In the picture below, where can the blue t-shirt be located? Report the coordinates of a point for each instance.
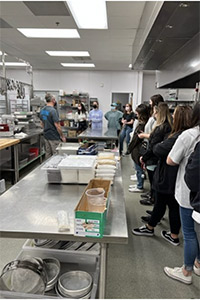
(49, 116)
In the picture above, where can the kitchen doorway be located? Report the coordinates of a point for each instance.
(121, 99)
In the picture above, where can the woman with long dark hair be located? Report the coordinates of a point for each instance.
(82, 116)
(127, 127)
(142, 113)
(178, 156)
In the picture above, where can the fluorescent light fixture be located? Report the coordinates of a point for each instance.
(14, 64)
(130, 66)
(89, 14)
(78, 65)
(68, 53)
(49, 33)
(195, 63)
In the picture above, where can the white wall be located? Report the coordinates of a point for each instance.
(98, 84)
(149, 88)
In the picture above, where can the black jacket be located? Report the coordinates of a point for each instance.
(192, 177)
(164, 179)
(157, 136)
(135, 144)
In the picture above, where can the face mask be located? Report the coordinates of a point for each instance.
(127, 108)
(94, 106)
(79, 107)
(112, 107)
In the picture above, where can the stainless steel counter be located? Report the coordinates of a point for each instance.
(99, 134)
(29, 210)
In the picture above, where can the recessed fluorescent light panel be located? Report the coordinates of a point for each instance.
(68, 53)
(73, 65)
(89, 14)
(14, 64)
(49, 33)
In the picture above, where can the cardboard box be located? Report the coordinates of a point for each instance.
(71, 133)
(87, 223)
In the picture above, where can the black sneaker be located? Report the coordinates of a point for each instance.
(167, 236)
(149, 212)
(147, 202)
(145, 195)
(143, 230)
(146, 219)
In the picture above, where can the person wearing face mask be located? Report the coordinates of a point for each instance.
(96, 116)
(81, 116)
(50, 123)
(127, 127)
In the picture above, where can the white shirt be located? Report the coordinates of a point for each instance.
(180, 153)
(196, 216)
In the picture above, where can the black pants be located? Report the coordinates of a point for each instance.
(150, 176)
(161, 201)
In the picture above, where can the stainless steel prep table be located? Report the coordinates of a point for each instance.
(32, 136)
(29, 210)
(103, 134)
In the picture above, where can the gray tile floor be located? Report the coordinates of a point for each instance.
(135, 270)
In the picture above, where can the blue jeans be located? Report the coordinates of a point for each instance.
(139, 173)
(191, 246)
(125, 133)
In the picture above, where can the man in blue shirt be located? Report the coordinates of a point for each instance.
(51, 125)
(96, 116)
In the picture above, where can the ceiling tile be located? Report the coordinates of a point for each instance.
(47, 8)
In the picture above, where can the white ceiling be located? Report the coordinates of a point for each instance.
(110, 49)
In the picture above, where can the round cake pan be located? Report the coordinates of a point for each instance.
(75, 283)
(52, 268)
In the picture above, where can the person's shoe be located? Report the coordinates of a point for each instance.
(149, 212)
(133, 177)
(132, 186)
(167, 236)
(135, 190)
(177, 274)
(147, 202)
(145, 219)
(146, 195)
(143, 230)
(196, 270)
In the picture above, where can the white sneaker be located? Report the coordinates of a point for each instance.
(196, 270)
(177, 274)
(133, 177)
(135, 190)
(132, 186)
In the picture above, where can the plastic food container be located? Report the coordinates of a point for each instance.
(95, 198)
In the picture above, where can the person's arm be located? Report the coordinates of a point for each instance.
(42, 124)
(98, 117)
(161, 150)
(58, 127)
(177, 152)
(143, 135)
(170, 162)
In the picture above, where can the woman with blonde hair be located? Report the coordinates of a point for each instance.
(161, 130)
(164, 181)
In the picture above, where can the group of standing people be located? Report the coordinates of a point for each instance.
(171, 157)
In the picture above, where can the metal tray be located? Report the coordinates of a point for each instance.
(69, 262)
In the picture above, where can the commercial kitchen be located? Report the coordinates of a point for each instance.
(54, 242)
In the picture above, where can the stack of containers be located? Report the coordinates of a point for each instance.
(106, 166)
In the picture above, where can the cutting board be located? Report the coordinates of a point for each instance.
(4, 143)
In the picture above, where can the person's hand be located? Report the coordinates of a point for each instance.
(141, 135)
(63, 138)
(141, 161)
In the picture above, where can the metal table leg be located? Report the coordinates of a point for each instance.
(103, 265)
(16, 163)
